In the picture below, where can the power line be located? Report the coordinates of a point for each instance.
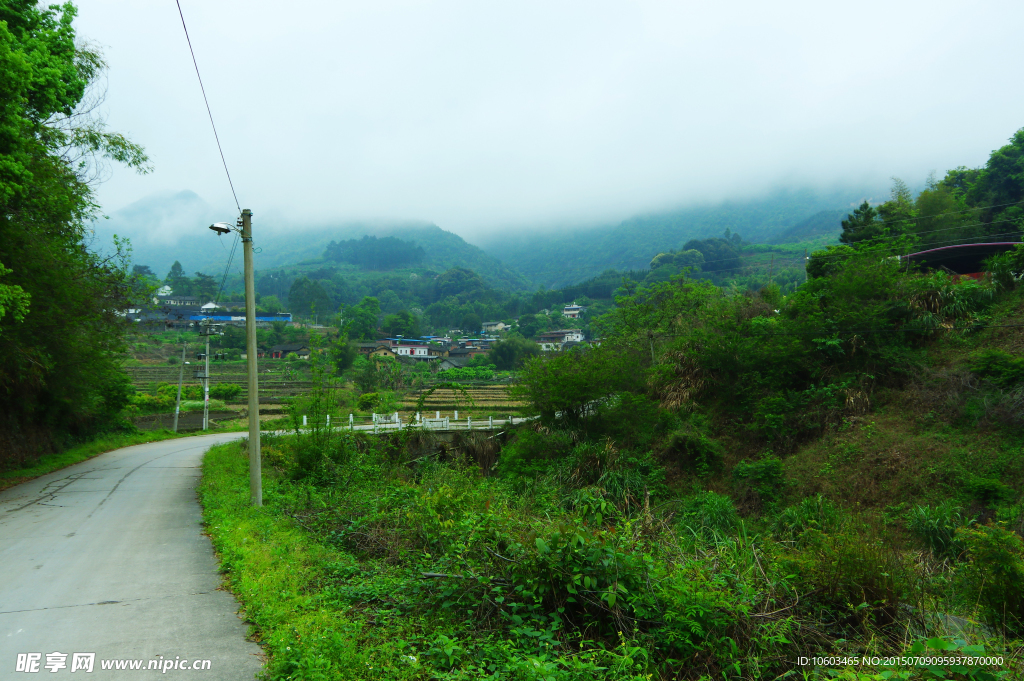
(224, 278)
(208, 111)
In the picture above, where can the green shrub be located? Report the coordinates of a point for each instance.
(225, 391)
(1001, 367)
(531, 453)
(937, 528)
(695, 451)
(989, 491)
(763, 480)
(858, 574)
(994, 575)
(197, 405)
(812, 513)
(367, 401)
(709, 514)
(626, 476)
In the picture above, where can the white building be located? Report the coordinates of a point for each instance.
(573, 311)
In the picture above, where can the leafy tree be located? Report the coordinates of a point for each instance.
(372, 253)
(360, 321)
(458, 281)
(510, 353)
(691, 258)
(719, 254)
(179, 282)
(308, 297)
(143, 271)
(472, 324)
(204, 287)
(271, 304)
(862, 224)
(61, 338)
(568, 387)
(343, 353)
(14, 301)
(402, 323)
(531, 325)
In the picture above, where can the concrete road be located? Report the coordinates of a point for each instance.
(108, 557)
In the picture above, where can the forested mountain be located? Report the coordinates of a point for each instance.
(165, 228)
(824, 223)
(561, 258)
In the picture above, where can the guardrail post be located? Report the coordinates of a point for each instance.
(328, 420)
(469, 423)
(456, 414)
(304, 420)
(351, 422)
(437, 414)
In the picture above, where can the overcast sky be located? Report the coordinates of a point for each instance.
(479, 115)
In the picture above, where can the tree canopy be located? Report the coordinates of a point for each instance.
(61, 336)
(371, 253)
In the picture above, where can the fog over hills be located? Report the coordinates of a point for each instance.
(163, 228)
(559, 257)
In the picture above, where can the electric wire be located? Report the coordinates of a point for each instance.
(227, 268)
(208, 110)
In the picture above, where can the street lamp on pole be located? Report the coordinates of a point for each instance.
(244, 229)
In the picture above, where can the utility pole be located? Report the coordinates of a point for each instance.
(255, 464)
(181, 372)
(206, 383)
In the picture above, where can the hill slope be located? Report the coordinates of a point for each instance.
(164, 228)
(567, 257)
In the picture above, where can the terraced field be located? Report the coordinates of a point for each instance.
(274, 383)
(277, 384)
(485, 398)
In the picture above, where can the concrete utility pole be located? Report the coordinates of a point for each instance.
(181, 372)
(206, 383)
(255, 464)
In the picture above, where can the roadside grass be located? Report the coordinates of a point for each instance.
(87, 450)
(278, 572)
(399, 557)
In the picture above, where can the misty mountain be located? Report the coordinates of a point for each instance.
(824, 223)
(561, 258)
(164, 228)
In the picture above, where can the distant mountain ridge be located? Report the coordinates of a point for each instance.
(562, 258)
(168, 227)
(164, 228)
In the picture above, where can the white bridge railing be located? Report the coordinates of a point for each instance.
(383, 422)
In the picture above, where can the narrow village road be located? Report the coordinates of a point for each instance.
(108, 557)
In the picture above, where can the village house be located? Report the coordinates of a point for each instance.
(185, 301)
(452, 363)
(495, 327)
(415, 348)
(553, 341)
(375, 349)
(285, 349)
(573, 311)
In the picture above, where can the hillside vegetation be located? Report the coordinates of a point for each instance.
(562, 257)
(728, 483)
(61, 339)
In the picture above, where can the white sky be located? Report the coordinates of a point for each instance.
(480, 115)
